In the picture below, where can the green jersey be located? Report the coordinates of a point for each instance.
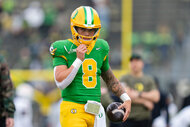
(86, 84)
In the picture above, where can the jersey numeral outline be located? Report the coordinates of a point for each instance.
(89, 69)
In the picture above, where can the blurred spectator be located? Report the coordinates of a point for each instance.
(143, 92)
(45, 58)
(36, 64)
(102, 7)
(17, 22)
(172, 107)
(186, 102)
(165, 41)
(1, 9)
(7, 107)
(182, 118)
(23, 103)
(24, 59)
(34, 14)
(53, 116)
(45, 94)
(183, 90)
(115, 56)
(6, 22)
(160, 110)
(8, 5)
(50, 16)
(180, 36)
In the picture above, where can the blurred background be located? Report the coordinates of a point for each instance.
(159, 30)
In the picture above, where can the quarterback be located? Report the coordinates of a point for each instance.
(78, 64)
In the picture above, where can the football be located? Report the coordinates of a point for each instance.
(114, 114)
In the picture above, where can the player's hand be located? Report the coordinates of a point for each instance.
(127, 106)
(81, 50)
(9, 122)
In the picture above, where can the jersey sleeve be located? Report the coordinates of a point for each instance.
(58, 53)
(59, 61)
(105, 65)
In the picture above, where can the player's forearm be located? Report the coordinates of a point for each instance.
(61, 72)
(64, 76)
(152, 95)
(113, 83)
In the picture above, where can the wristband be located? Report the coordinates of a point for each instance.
(77, 63)
(124, 97)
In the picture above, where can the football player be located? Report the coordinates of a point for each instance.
(78, 64)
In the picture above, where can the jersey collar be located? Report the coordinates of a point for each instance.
(90, 47)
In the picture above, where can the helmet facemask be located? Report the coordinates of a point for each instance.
(82, 39)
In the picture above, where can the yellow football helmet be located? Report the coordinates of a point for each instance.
(85, 17)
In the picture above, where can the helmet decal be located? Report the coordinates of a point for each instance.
(89, 17)
(75, 14)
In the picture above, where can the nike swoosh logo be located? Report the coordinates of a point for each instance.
(71, 50)
(98, 48)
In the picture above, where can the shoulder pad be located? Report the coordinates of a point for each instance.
(104, 44)
(57, 48)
